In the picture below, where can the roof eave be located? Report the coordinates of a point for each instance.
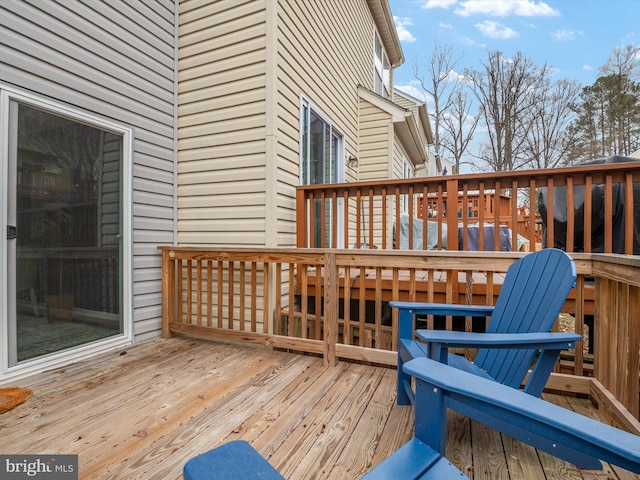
(383, 19)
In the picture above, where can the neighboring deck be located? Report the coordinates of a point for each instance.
(143, 412)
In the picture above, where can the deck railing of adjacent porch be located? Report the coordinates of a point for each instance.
(368, 214)
(315, 301)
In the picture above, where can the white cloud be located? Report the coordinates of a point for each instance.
(401, 27)
(565, 35)
(445, 26)
(492, 29)
(438, 3)
(504, 8)
(471, 42)
(587, 67)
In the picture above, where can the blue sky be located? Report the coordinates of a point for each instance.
(575, 37)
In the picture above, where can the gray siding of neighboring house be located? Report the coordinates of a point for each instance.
(114, 59)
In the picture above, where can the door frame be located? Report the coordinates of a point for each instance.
(10, 93)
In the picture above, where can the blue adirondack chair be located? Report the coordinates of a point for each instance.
(517, 338)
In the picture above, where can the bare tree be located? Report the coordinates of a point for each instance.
(623, 61)
(459, 124)
(450, 112)
(506, 91)
(547, 139)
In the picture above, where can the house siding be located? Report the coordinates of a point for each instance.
(222, 123)
(413, 108)
(324, 66)
(376, 146)
(116, 60)
(244, 67)
(376, 142)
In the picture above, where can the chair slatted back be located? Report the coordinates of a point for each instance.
(534, 290)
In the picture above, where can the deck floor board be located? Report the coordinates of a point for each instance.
(141, 413)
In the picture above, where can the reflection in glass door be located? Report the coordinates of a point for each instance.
(63, 233)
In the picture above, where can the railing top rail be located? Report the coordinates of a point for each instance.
(403, 259)
(597, 173)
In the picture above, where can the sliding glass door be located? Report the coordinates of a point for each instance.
(64, 226)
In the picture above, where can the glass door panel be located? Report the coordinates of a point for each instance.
(63, 233)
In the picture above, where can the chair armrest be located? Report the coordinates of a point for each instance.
(542, 340)
(546, 426)
(444, 309)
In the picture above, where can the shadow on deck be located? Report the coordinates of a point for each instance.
(144, 411)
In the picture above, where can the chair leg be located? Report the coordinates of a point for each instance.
(404, 381)
(405, 332)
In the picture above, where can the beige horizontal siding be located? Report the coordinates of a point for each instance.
(222, 123)
(376, 140)
(243, 68)
(317, 60)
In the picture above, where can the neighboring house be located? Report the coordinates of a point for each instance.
(126, 125)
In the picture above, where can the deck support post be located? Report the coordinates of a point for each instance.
(330, 309)
(168, 292)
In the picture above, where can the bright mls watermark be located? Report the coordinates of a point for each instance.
(49, 467)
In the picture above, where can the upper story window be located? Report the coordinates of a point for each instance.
(382, 77)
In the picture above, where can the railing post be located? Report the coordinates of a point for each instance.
(168, 292)
(330, 309)
(301, 219)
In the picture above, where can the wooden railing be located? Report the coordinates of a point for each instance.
(542, 208)
(334, 303)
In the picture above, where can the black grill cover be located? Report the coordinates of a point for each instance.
(597, 213)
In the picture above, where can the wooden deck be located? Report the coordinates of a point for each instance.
(141, 413)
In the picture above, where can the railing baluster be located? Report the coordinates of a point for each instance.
(254, 295)
(588, 206)
(497, 216)
(242, 299)
(311, 241)
(345, 201)
(362, 305)
(209, 293)
(370, 219)
(230, 293)
(359, 217)
(514, 216)
(384, 217)
(569, 247)
(550, 216)
(482, 208)
(425, 217)
(334, 219)
(629, 222)
(464, 216)
(266, 308)
(199, 291)
(533, 207)
(220, 280)
(189, 287)
(608, 214)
